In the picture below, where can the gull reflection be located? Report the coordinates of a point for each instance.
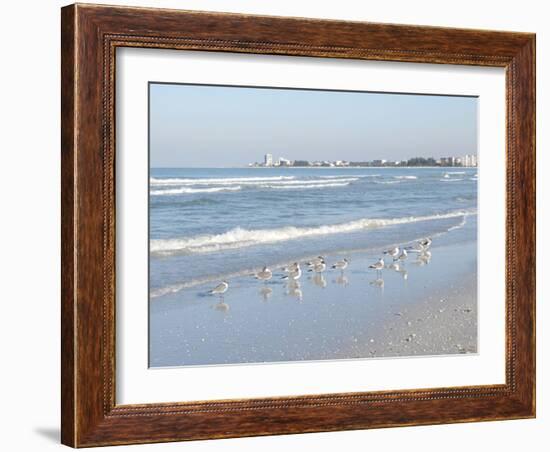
(266, 293)
(222, 306)
(398, 268)
(320, 281)
(342, 280)
(424, 258)
(294, 290)
(378, 282)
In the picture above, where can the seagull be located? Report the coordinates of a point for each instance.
(393, 252)
(378, 266)
(342, 265)
(415, 249)
(220, 289)
(290, 268)
(425, 243)
(318, 268)
(402, 256)
(264, 275)
(315, 261)
(294, 272)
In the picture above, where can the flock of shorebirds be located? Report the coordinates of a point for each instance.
(318, 265)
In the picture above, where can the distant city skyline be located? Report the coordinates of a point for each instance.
(220, 126)
(469, 160)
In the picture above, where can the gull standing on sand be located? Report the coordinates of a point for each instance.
(264, 275)
(341, 265)
(393, 252)
(315, 261)
(425, 243)
(220, 289)
(415, 249)
(318, 268)
(402, 256)
(290, 267)
(294, 272)
(378, 266)
(422, 246)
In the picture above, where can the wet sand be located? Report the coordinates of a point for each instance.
(420, 308)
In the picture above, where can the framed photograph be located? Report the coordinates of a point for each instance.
(282, 225)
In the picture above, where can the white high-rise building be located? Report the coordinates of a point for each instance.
(268, 160)
(469, 160)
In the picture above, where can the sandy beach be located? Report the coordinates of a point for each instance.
(416, 308)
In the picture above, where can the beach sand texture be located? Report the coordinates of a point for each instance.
(418, 309)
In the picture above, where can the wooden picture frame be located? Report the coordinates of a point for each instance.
(90, 35)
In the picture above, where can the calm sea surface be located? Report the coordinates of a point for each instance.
(210, 224)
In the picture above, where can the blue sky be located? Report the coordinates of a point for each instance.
(216, 126)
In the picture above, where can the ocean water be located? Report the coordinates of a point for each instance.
(209, 225)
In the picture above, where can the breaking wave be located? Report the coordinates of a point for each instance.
(216, 181)
(240, 238)
(186, 190)
(309, 185)
(192, 186)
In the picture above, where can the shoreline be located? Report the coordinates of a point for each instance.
(336, 315)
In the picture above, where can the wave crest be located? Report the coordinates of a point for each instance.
(186, 190)
(215, 181)
(304, 186)
(241, 238)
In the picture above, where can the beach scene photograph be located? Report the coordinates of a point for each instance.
(290, 225)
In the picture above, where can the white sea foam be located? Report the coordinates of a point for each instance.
(459, 225)
(187, 190)
(308, 182)
(215, 181)
(273, 181)
(345, 176)
(240, 238)
(405, 177)
(451, 180)
(305, 186)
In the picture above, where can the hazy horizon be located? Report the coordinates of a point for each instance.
(206, 126)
